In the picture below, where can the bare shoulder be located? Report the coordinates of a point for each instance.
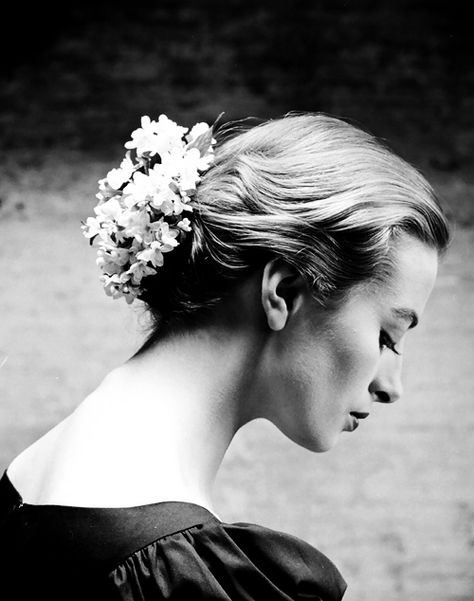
(107, 453)
(45, 467)
(28, 469)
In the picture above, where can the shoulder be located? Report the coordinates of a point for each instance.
(30, 467)
(221, 560)
(295, 566)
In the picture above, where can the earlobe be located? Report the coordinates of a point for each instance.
(282, 291)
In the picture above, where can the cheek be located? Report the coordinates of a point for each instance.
(356, 355)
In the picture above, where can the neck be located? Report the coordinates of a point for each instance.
(181, 403)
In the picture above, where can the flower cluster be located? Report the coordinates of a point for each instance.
(145, 204)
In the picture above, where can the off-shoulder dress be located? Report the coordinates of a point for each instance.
(168, 550)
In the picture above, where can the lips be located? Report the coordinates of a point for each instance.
(352, 424)
(359, 415)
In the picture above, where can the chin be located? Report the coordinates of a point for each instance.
(315, 443)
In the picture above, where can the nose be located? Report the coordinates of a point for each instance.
(386, 387)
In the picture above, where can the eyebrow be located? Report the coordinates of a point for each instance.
(407, 315)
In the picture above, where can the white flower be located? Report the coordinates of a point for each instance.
(189, 175)
(119, 286)
(156, 137)
(206, 160)
(164, 201)
(108, 266)
(152, 254)
(139, 270)
(200, 138)
(91, 227)
(135, 223)
(130, 294)
(105, 191)
(112, 261)
(144, 138)
(184, 225)
(170, 132)
(137, 219)
(120, 256)
(140, 189)
(197, 130)
(168, 237)
(117, 177)
(108, 210)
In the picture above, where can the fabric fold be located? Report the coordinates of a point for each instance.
(169, 550)
(222, 562)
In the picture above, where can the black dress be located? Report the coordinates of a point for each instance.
(167, 550)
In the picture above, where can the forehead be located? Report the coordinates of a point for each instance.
(401, 295)
(415, 267)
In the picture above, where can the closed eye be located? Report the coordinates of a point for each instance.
(385, 341)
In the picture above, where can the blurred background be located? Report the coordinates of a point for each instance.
(393, 504)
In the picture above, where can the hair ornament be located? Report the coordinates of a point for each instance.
(145, 205)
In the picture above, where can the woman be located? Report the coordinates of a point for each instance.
(282, 272)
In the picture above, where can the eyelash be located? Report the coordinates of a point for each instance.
(386, 341)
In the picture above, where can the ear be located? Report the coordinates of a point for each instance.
(283, 290)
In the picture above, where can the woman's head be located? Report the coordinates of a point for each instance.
(312, 190)
(324, 363)
(323, 245)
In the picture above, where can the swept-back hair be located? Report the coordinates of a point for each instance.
(314, 190)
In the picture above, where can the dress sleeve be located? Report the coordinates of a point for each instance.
(227, 562)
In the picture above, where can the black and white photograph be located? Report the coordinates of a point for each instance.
(237, 309)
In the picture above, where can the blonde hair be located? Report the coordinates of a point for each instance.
(322, 194)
